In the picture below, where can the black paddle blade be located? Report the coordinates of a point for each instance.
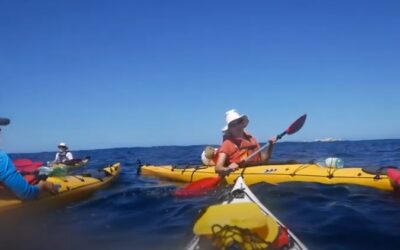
(297, 125)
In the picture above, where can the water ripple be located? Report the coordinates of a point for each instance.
(137, 212)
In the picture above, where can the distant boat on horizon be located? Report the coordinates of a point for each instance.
(329, 139)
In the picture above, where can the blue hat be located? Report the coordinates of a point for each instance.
(4, 121)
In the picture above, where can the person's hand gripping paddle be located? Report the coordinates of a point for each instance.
(200, 187)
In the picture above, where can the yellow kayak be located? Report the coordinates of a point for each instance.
(279, 173)
(72, 188)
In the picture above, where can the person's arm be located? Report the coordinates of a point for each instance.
(48, 186)
(220, 166)
(69, 156)
(18, 185)
(57, 157)
(16, 182)
(266, 154)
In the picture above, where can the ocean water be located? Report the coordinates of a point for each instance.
(138, 212)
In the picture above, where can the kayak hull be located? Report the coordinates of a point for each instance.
(72, 188)
(276, 174)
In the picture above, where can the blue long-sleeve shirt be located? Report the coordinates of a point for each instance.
(14, 180)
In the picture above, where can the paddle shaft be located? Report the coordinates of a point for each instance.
(293, 128)
(248, 158)
(262, 148)
(281, 135)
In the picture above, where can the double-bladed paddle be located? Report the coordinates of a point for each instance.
(200, 187)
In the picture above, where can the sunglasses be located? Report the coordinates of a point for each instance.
(236, 122)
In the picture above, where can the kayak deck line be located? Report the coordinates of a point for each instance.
(276, 174)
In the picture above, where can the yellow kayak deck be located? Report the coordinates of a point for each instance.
(72, 188)
(277, 173)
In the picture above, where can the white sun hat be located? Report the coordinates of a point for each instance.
(232, 115)
(62, 144)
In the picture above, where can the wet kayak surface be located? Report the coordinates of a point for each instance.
(138, 212)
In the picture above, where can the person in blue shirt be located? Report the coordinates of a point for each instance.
(13, 180)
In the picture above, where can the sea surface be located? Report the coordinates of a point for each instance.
(138, 212)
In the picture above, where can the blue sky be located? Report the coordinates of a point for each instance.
(102, 74)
